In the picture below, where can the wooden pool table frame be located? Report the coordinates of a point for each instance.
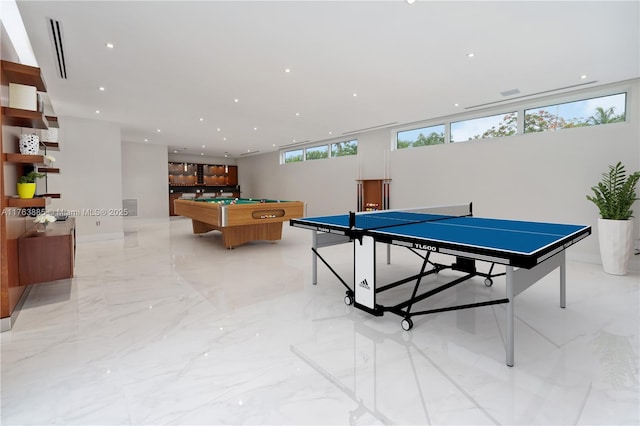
(240, 223)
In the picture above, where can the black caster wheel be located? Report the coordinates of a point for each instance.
(348, 300)
(406, 324)
(488, 282)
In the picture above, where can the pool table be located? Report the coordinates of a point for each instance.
(240, 220)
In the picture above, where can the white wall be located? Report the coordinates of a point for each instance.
(199, 159)
(542, 177)
(144, 177)
(327, 186)
(90, 179)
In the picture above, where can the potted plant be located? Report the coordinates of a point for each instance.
(27, 184)
(614, 195)
(44, 219)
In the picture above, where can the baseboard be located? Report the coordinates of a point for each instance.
(634, 262)
(6, 323)
(100, 237)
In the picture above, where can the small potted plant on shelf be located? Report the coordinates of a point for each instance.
(49, 160)
(27, 184)
(44, 219)
(614, 195)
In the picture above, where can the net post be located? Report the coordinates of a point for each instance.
(352, 220)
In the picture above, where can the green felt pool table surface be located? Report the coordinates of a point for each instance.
(227, 201)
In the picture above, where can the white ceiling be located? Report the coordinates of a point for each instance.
(177, 62)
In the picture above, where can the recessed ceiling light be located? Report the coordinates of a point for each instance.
(225, 156)
(97, 111)
(202, 153)
(146, 140)
(330, 133)
(273, 144)
(224, 139)
(255, 128)
(218, 129)
(235, 100)
(158, 130)
(297, 114)
(455, 105)
(248, 150)
(471, 55)
(101, 88)
(175, 151)
(411, 1)
(201, 119)
(203, 146)
(355, 94)
(110, 45)
(287, 70)
(583, 76)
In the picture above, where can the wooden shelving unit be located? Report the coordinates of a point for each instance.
(16, 266)
(23, 74)
(14, 157)
(52, 121)
(48, 170)
(23, 118)
(50, 146)
(28, 202)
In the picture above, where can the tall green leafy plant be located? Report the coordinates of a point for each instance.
(615, 193)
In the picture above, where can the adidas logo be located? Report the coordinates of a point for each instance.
(364, 284)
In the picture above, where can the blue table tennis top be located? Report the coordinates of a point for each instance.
(522, 239)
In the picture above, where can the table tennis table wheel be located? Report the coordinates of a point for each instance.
(488, 282)
(406, 324)
(348, 300)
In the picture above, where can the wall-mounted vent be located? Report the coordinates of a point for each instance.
(289, 145)
(510, 92)
(55, 30)
(533, 94)
(381, 126)
(130, 205)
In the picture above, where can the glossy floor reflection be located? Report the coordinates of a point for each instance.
(165, 327)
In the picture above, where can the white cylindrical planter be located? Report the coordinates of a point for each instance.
(616, 241)
(29, 144)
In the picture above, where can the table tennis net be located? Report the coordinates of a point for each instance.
(389, 218)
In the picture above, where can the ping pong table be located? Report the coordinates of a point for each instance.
(528, 250)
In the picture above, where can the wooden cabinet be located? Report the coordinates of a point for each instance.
(198, 179)
(185, 174)
(47, 256)
(373, 194)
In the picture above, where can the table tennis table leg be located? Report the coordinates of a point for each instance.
(314, 258)
(388, 254)
(563, 284)
(510, 316)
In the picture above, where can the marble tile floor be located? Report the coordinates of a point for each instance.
(165, 327)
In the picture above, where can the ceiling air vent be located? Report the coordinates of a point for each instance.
(56, 38)
(249, 153)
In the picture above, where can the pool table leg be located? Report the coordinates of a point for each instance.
(233, 236)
